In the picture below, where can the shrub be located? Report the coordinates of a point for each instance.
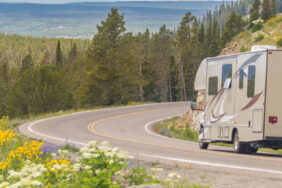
(243, 49)
(258, 36)
(257, 25)
(190, 134)
(273, 21)
(279, 41)
(97, 165)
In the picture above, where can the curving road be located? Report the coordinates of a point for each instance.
(130, 129)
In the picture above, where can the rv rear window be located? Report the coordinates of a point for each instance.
(251, 81)
(213, 83)
(241, 79)
(226, 73)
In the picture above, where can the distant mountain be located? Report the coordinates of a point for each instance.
(79, 20)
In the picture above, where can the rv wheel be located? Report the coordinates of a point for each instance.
(202, 144)
(239, 147)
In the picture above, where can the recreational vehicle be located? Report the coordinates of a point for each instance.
(243, 94)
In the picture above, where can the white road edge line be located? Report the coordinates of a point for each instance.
(75, 113)
(146, 155)
(212, 164)
(51, 137)
(159, 135)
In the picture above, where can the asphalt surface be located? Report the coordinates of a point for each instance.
(130, 129)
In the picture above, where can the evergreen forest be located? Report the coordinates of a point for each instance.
(40, 75)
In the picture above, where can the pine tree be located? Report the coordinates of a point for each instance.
(26, 63)
(4, 86)
(233, 26)
(274, 8)
(255, 12)
(267, 10)
(202, 33)
(173, 80)
(73, 54)
(208, 38)
(111, 67)
(184, 31)
(183, 37)
(39, 90)
(162, 50)
(192, 57)
(202, 41)
(59, 56)
(46, 60)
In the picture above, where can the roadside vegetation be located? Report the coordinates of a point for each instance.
(170, 129)
(30, 163)
(263, 32)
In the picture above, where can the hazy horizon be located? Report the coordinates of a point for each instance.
(74, 1)
(80, 20)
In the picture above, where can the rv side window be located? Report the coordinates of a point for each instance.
(241, 79)
(213, 83)
(251, 81)
(226, 73)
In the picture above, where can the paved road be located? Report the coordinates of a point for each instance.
(130, 129)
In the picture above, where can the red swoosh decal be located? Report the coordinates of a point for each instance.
(215, 117)
(220, 94)
(218, 117)
(252, 102)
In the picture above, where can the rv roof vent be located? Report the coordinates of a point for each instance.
(263, 47)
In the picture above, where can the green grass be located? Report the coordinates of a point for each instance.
(168, 128)
(271, 29)
(69, 148)
(268, 150)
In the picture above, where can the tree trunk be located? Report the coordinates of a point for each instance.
(181, 75)
(141, 91)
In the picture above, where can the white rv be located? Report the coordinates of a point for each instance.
(243, 100)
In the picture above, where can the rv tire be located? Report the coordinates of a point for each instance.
(238, 146)
(202, 144)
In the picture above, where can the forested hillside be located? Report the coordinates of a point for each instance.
(266, 33)
(14, 48)
(39, 75)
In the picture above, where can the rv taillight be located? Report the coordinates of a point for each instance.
(273, 119)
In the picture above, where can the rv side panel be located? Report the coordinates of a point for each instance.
(273, 105)
(249, 97)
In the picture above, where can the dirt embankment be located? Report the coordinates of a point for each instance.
(192, 117)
